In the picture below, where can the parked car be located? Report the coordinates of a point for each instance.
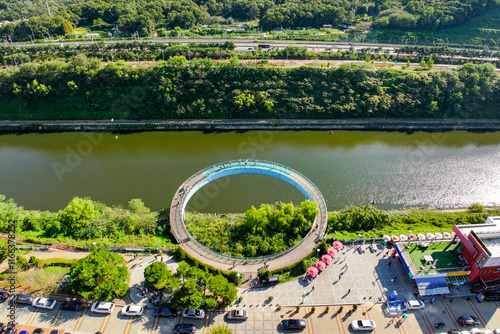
(455, 331)
(23, 299)
(492, 296)
(476, 331)
(2, 327)
(291, 324)
(165, 312)
(54, 331)
(496, 330)
(42, 302)
(103, 307)
(237, 315)
(3, 296)
(363, 325)
(24, 332)
(10, 330)
(468, 320)
(193, 313)
(38, 331)
(184, 328)
(72, 305)
(132, 310)
(415, 304)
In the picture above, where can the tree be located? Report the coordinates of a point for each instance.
(102, 275)
(157, 274)
(136, 205)
(67, 27)
(177, 61)
(76, 215)
(220, 329)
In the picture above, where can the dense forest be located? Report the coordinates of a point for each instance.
(144, 17)
(84, 89)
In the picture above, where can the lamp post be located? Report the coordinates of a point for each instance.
(238, 274)
(317, 252)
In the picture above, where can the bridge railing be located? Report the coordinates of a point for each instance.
(270, 166)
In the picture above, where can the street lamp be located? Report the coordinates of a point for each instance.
(238, 274)
(317, 252)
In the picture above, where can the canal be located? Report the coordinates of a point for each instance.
(392, 169)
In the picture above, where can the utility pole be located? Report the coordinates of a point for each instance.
(48, 8)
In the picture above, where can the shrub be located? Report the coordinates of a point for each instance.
(270, 298)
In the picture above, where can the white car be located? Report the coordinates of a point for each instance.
(103, 307)
(415, 304)
(132, 310)
(476, 331)
(496, 330)
(363, 325)
(42, 302)
(194, 313)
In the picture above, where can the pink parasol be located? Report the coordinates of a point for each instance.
(338, 245)
(413, 237)
(326, 258)
(332, 251)
(320, 265)
(312, 271)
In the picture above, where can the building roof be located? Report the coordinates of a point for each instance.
(489, 233)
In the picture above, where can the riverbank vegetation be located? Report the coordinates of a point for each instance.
(83, 89)
(83, 214)
(267, 230)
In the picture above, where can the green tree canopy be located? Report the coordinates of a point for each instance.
(77, 214)
(102, 275)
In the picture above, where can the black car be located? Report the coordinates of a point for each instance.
(72, 305)
(38, 331)
(492, 296)
(23, 299)
(2, 327)
(165, 312)
(10, 331)
(54, 331)
(3, 296)
(290, 324)
(454, 331)
(185, 328)
(468, 320)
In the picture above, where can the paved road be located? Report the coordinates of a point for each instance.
(260, 322)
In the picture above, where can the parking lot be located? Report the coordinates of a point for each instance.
(262, 321)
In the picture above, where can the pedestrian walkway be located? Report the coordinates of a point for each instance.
(247, 266)
(137, 279)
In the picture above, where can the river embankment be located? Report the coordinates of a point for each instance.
(41, 126)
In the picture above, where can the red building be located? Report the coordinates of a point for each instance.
(481, 250)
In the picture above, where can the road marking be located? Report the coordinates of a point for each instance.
(79, 323)
(127, 329)
(55, 319)
(339, 323)
(451, 314)
(155, 325)
(105, 322)
(427, 322)
(478, 314)
(206, 324)
(309, 325)
(32, 317)
(366, 315)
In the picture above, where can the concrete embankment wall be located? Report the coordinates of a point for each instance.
(248, 125)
